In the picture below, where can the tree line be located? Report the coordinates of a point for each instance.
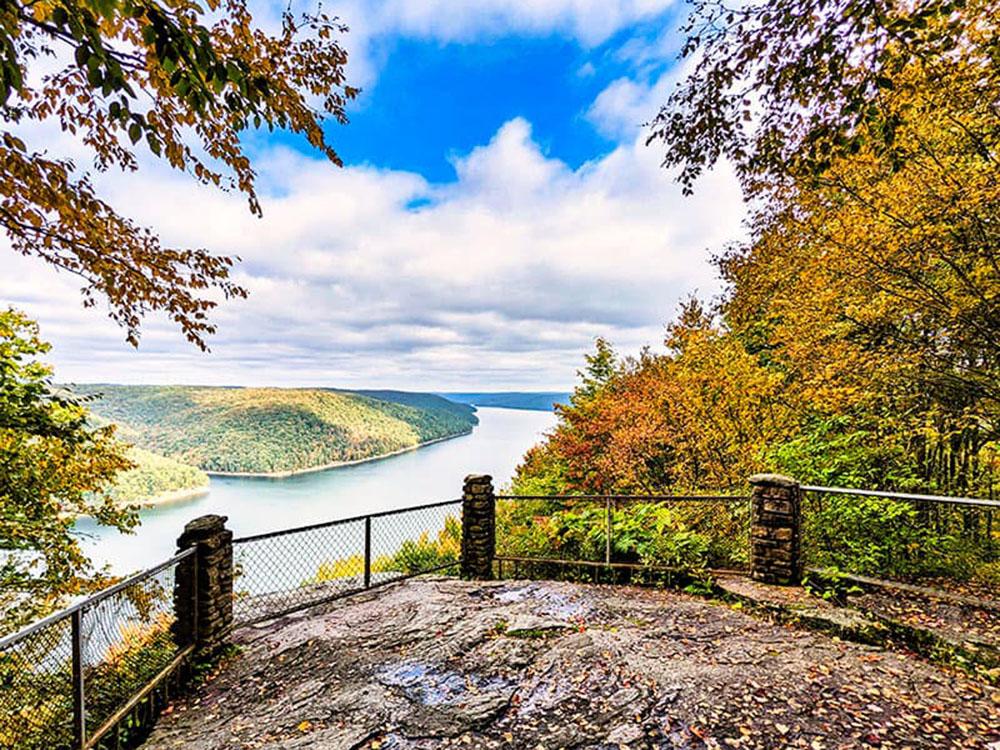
(857, 342)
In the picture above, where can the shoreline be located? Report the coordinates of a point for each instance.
(173, 496)
(334, 465)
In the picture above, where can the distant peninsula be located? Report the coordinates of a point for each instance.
(530, 400)
(273, 431)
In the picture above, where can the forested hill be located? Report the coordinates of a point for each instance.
(274, 430)
(428, 401)
(531, 400)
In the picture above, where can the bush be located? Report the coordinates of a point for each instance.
(893, 538)
(413, 556)
(687, 536)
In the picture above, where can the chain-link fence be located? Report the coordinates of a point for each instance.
(289, 570)
(80, 678)
(620, 537)
(902, 536)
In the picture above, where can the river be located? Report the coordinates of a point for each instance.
(256, 505)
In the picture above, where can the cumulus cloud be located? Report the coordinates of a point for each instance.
(590, 22)
(373, 277)
(364, 276)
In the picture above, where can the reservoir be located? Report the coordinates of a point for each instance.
(257, 505)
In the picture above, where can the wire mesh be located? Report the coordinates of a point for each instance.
(125, 641)
(683, 533)
(900, 537)
(290, 570)
(36, 698)
(416, 541)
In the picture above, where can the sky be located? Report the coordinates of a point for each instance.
(497, 211)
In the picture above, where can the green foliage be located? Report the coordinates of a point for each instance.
(845, 451)
(831, 585)
(685, 536)
(37, 684)
(425, 553)
(428, 402)
(542, 472)
(600, 367)
(883, 537)
(265, 430)
(858, 341)
(53, 466)
(412, 556)
(153, 476)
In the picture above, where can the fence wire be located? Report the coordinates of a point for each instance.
(63, 678)
(289, 570)
(36, 689)
(127, 641)
(616, 537)
(894, 535)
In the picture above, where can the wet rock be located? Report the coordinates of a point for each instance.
(528, 625)
(423, 665)
(623, 734)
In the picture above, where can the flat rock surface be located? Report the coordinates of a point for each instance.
(788, 597)
(961, 621)
(435, 663)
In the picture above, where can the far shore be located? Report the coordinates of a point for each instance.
(335, 464)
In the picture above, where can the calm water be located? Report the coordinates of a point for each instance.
(256, 505)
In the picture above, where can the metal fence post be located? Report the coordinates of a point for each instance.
(368, 551)
(79, 696)
(607, 530)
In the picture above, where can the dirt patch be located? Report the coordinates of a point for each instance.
(429, 664)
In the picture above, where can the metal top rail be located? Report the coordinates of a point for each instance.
(13, 638)
(904, 496)
(352, 519)
(679, 498)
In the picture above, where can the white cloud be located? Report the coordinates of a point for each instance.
(501, 279)
(621, 109)
(625, 104)
(590, 22)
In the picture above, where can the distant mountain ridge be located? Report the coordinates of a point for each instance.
(530, 400)
(275, 431)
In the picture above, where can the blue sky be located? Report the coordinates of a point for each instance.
(434, 101)
(497, 211)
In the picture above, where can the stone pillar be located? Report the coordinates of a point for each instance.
(203, 586)
(478, 527)
(776, 529)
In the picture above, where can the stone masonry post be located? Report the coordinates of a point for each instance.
(776, 529)
(203, 586)
(478, 527)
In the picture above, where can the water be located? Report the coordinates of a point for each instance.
(256, 505)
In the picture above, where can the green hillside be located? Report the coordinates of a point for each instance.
(428, 401)
(154, 477)
(271, 430)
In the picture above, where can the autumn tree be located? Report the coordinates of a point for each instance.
(857, 341)
(170, 79)
(53, 466)
(780, 88)
(698, 416)
(866, 135)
